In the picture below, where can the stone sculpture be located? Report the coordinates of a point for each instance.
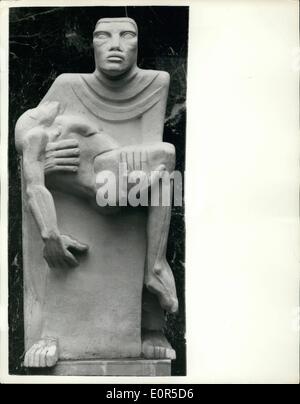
(97, 281)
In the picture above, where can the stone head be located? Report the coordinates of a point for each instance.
(115, 45)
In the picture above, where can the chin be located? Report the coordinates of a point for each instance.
(114, 71)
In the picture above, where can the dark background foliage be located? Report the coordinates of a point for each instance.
(45, 42)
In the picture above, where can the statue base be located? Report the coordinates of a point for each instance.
(108, 367)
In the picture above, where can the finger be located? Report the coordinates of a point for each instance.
(70, 169)
(73, 152)
(53, 264)
(70, 259)
(123, 158)
(53, 256)
(154, 178)
(71, 161)
(130, 161)
(54, 261)
(60, 263)
(49, 261)
(50, 146)
(49, 255)
(144, 159)
(137, 160)
(81, 247)
(73, 243)
(123, 161)
(141, 160)
(63, 144)
(57, 262)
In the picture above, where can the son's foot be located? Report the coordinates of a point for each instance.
(156, 346)
(160, 281)
(42, 354)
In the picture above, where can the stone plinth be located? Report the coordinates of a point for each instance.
(113, 367)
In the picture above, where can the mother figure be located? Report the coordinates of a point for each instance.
(105, 295)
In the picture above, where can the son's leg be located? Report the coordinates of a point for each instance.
(155, 160)
(159, 278)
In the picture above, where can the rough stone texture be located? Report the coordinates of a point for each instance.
(51, 38)
(136, 367)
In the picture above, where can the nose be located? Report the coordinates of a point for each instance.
(115, 43)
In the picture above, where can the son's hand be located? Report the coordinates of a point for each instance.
(59, 250)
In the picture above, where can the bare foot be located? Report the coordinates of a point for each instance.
(156, 346)
(43, 353)
(160, 281)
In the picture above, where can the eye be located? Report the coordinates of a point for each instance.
(128, 35)
(91, 133)
(101, 35)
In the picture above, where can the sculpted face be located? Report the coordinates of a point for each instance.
(115, 45)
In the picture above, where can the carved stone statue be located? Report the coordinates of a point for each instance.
(97, 281)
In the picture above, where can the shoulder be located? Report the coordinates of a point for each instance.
(158, 77)
(163, 77)
(60, 89)
(66, 79)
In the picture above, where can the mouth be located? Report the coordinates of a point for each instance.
(115, 58)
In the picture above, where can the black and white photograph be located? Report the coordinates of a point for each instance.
(95, 137)
(149, 193)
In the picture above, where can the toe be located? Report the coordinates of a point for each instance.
(31, 355)
(42, 358)
(148, 351)
(51, 356)
(26, 359)
(36, 357)
(162, 353)
(157, 352)
(170, 354)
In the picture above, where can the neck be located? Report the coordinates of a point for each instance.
(115, 80)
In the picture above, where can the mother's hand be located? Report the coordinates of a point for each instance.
(62, 155)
